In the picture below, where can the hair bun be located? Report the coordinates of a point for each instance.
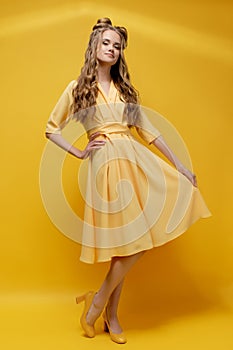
(123, 32)
(106, 23)
(102, 22)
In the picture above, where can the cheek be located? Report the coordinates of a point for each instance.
(99, 49)
(103, 49)
(117, 54)
(99, 52)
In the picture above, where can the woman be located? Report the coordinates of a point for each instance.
(120, 222)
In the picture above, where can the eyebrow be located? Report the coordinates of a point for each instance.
(116, 42)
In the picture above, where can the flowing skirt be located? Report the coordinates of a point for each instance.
(134, 201)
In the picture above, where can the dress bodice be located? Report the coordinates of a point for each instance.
(106, 116)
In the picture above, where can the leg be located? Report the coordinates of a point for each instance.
(112, 306)
(114, 299)
(118, 269)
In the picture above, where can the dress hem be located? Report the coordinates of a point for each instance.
(204, 216)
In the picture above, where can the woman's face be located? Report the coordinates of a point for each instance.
(109, 47)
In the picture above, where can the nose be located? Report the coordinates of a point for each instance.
(111, 48)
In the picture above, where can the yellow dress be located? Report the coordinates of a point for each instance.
(134, 200)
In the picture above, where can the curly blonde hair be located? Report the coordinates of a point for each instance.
(85, 91)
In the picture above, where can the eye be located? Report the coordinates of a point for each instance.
(105, 42)
(117, 46)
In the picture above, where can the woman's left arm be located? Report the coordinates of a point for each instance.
(160, 143)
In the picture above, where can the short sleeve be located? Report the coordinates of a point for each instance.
(144, 127)
(60, 114)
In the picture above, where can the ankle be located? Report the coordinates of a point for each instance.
(111, 313)
(97, 302)
(93, 314)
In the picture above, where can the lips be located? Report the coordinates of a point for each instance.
(110, 55)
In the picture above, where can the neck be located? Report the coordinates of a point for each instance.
(104, 73)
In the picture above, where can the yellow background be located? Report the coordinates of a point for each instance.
(180, 58)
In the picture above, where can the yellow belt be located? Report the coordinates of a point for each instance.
(110, 129)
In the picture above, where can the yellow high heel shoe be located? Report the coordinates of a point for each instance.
(87, 298)
(118, 338)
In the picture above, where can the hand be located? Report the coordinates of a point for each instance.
(92, 144)
(192, 177)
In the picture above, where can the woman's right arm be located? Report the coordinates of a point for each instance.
(82, 154)
(59, 117)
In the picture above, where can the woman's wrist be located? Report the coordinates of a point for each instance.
(76, 152)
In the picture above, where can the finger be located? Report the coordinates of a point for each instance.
(95, 134)
(91, 147)
(195, 182)
(195, 179)
(95, 146)
(101, 142)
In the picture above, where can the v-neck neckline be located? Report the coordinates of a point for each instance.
(107, 95)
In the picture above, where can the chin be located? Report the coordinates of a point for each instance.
(111, 62)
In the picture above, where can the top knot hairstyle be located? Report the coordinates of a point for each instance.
(106, 24)
(86, 90)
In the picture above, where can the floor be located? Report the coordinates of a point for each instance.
(51, 321)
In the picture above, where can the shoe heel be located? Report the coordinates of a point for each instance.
(106, 327)
(87, 298)
(80, 298)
